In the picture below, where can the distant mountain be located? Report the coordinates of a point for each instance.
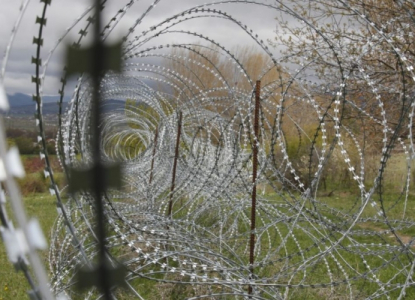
(19, 99)
(53, 108)
(22, 104)
(47, 109)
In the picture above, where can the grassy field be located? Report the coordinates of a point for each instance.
(42, 206)
(13, 284)
(39, 204)
(347, 201)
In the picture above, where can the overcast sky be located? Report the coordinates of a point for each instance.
(62, 14)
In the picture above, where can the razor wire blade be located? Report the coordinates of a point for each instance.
(336, 104)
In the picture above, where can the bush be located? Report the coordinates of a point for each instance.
(60, 180)
(33, 183)
(50, 147)
(25, 145)
(33, 164)
(14, 132)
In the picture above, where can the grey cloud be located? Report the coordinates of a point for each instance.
(62, 13)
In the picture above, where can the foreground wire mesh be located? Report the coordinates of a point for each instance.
(334, 149)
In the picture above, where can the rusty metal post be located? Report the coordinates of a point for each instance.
(176, 155)
(254, 177)
(154, 155)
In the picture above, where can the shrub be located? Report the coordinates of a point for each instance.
(33, 164)
(14, 132)
(50, 147)
(33, 183)
(60, 180)
(25, 145)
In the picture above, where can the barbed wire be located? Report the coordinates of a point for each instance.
(226, 153)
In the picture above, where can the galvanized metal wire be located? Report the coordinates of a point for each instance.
(183, 223)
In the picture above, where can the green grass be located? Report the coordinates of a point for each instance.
(13, 285)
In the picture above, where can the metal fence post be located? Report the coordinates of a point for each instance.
(254, 185)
